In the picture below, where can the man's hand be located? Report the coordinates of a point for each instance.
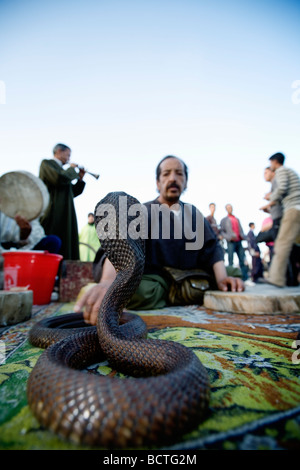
(265, 208)
(267, 196)
(25, 227)
(233, 284)
(226, 283)
(81, 172)
(91, 301)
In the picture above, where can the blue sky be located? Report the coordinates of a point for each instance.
(124, 83)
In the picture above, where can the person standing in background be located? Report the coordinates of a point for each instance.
(88, 240)
(275, 211)
(287, 192)
(212, 221)
(232, 231)
(257, 271)
(60, 216)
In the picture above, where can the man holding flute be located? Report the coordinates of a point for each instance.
(60, 216)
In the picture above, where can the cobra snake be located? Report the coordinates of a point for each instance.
(167, 392)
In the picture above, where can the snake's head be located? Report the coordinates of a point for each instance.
(120, 221)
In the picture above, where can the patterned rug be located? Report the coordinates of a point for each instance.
(252, 361)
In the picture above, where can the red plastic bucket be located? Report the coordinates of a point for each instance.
(35, 269)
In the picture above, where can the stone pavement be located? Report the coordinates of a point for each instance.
(259, 299)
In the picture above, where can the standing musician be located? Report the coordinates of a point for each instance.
(60, 216)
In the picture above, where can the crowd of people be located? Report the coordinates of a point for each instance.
(280, 230)
(57, 229)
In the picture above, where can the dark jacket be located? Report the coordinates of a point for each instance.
(60, 216)
(227, 232)
(173, 252)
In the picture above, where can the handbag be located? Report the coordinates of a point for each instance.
(187, 287)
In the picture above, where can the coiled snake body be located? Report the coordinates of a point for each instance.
(167, 392)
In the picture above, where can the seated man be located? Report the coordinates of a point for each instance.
(21, 234)
(171, 180)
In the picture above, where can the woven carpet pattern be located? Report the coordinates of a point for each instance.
(252, 361)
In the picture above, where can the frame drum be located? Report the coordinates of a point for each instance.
(22, 193)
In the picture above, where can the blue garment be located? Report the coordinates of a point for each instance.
(51, 243)
(257, 266)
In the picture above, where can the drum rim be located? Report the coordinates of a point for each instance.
(30, 213)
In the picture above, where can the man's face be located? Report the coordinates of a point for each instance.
(274, 165)
(229, 208)
(212, 208)
(268, 174)
(63, 155)
(172, 181)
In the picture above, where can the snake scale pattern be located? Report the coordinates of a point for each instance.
(167, 392)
